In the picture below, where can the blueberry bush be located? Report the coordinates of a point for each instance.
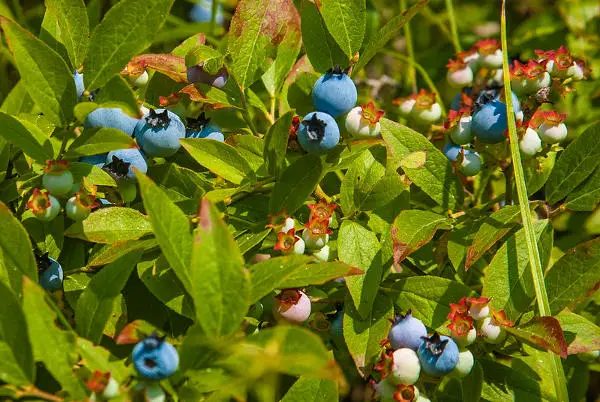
(299, 200)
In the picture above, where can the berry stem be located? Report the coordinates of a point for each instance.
(33, 392)
(535, 263)
(453, 29)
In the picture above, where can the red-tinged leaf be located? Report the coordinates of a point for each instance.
(167, 64)
(257, 29)
(413, 229)
(493, 228)
(214, 97)
(581, 334)
(544, 332)
(134, 332)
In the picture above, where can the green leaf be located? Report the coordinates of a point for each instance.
(360, 180)
(574, 276)
(586, 196)
(308, 389)
(287, 53)
(220, 158)
(359, 247)
(436, 177)
(296, 183)
(126, 29)
(16, 257)
(385, 34)
(55, 348)
(492, 229)
(413, 229)
(502, 383)
(15, 132)
(46, 75)
(346, 21)
(294, 271)
(385, 191)
(220, 285)
(211, 58)
(276, 141)
(111, 225)
(117, 93)
(18, 100)
(98, 358)
(94, 174)
(171, 228)
(363, 334)
(322, 50)
(99, 141)
(111, 252)
(48, 236)
(574, 165)
(162, 281)
(508, 277)
(429, 298)
(472, 384)
(95, 305)
(537, 171)
(544, 332)
(17, 366)
(257, 29)
(74, 27)
(580, 334)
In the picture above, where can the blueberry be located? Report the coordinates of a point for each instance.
(438, 355)
(464, 365)
(77, 210)
(120, 163)
(111, 118)
(491, 331)
(197, 74)
(407, 332)
(159, 132)
(50, 273)
(530, 144)
(405, 367)
(57, 178)
(154, 358)
(44, 206)
(459, 99)
(451, 150)
(292, 306)
(334, 93)
(96, 160)
(363, 121)
(490, 120)
(471, 163)
(79, 86)
(201, 128)
(318, 133)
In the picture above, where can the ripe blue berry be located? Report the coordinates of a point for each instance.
(318, 133)
(461, 132)
(471, 163)
(405, 367)
(159, 132)
(407, 332)
(438, 355)
(50, 273)
(451, 151)
(120, 163)
(334, 93)
(198, 74)
(154, 358)
(57, 177)
(490, 120)
(201, 128)
(79, 86)
(111, 118)
(292, 306)
(44, 206)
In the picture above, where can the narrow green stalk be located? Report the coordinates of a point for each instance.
(421, 71)
(411, 77)
(247, 116)
(535, 263)
(213, 16)
(453, 29)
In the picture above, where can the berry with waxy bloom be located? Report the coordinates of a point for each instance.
(80, 206)
(491, 328)
(103, 386)
(470, 163)
(57, 177)
(407, 332)
(321, 210)
(426, 110)
(578, 71)
(558, 61)
(291, 305)
(322, 254)
(159, 132)
(288, 242)
(478, 307)
(438, 355)
(471, 57)
(44, 206)
(530, 143)
(154, 358)
(334, 92)
(120, 163)
(462, 101)
(459, 74)
(451, 151)
(462, 330)
(50, 273)
(550, 126)
(198, 74)
(458, 126)
(460, 308)
(363, 121)
(202, 128)
(318, 133)
(490, 53)
(489, 122)
(316, 233)
(387, 391)
(405, 105)
(404, 367)
(464, 365)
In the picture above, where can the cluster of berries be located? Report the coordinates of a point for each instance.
(470, 311)
(421, 109)
(58, 182)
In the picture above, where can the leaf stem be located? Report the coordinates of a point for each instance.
(33, 392)
(247, 116)
(532, 247)
(411, 77)
(213, 16)
(453, 29)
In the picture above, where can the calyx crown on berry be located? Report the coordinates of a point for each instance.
(158, 120)
(424, 99)
(43, 262)
(434, 344)
(337, 70)
(478, 301)
(57, 167)
(318, 227)
(404, 393)
(315, 128)
(370, 114)
(454, 117)
(458, 309)
(276, 221)
(39, 201)
(153, 340)
(117, 168)
(286, 240)
(456, 65)
(533, 69)
(562, 58)
(487, 46)
(461, 324)
(401, 317)
(199, 123)
(321, 210)
(289, 296)
(99, 381)
(550, 117)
